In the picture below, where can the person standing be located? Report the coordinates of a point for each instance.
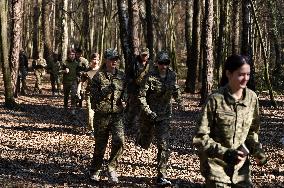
(54, 69)
(39, 66)
(140, 68)
(107, 99)
(23, 72)
(83, 67)
(228, 129)
(155, 98)
(86, 79)
(69, 70)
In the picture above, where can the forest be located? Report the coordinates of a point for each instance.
(42, 145)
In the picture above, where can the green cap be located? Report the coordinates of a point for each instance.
(111, 53)
(144, 51)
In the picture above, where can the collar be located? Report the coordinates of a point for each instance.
(232, 101)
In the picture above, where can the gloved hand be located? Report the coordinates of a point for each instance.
(112, 86)
(231, 157)
(153, 116)
(261, 158)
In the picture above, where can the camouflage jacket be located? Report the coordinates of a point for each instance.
(83, 64)
(105, 99)
(225, 124)
(39, 64)
(72, 74)
(136, 76)
(156, 94)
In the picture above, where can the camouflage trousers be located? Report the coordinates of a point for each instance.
(70, 87)
(90, 114)
(159, 130)
(107, 124)
(133, 111)
(39, 74)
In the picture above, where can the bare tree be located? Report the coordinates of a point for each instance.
(207, 81)
(9, 98)
(64, 30)
(149, 21)
(190, 84)
(16, 41)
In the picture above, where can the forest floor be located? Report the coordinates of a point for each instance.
(43, 146)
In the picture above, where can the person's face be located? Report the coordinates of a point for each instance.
(163, 66)
(111, 63)
(144, 57)
(71, 56)
(239, 78)
(78, 55)
(95, 61)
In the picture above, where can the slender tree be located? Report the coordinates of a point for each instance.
(207, 81)
(16, 41)
(149, 21)
(190, 84)
(9, 98)
(64, 30)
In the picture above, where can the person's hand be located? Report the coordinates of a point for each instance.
(112, 86)
(66, 70)
(153, 116)
(261, 158)
(234, 157)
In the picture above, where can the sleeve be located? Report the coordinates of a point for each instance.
(142, 96)
(202, 140)
(252, 141)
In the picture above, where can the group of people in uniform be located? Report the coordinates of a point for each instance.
(227, 133)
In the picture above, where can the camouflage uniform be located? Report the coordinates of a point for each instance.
(70, 82)
(155, 96)
(39, 66)
(23, 72)
(107, 103)
(135, 80)
(226, 124)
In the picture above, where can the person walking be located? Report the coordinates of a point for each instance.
(139, 69)
(228, 129)
(39, 65)
(156, 109)
(55, 78)
(108, 102)
(85, 82)
(23, 72)
(70, 84)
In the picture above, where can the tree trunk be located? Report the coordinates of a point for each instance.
(150, 36)
(221, 38)
(35, 29)
(16, 42)
(190, 84)
(85, 37)
(187, 31)
(9, 98)
(235, 26)
(64, 31)
(103, 28)
(46, 8)
(133, 10)
(123, 27)
(246, 48)
(207, 81)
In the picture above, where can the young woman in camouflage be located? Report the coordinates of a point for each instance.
(228, 131)
(108, 103)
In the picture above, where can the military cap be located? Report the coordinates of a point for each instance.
(163, 58)
(144, 51)
(111, 53)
